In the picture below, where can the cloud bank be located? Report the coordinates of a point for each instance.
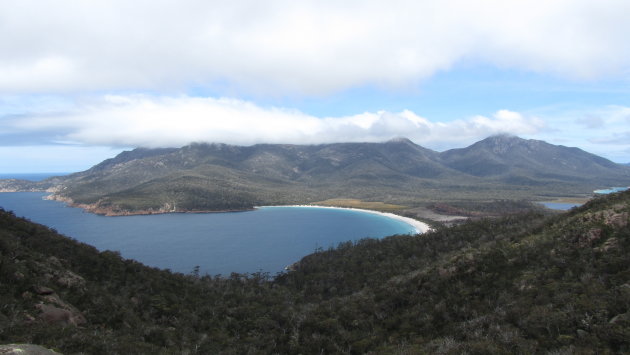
(150, 121)
(284, 47)
(165, 121)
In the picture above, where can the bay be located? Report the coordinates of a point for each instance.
(266, 239)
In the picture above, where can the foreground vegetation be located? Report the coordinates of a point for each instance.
(524, 283)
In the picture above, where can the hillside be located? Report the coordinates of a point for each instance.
(519, 161)
(527, 283)
(219, 177)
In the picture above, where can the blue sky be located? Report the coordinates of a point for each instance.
(81, 82)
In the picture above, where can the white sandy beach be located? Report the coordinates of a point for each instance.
(420, 227)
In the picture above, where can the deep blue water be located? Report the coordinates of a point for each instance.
(267, 239)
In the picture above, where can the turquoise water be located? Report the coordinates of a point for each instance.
(560, 206)
(611, 190)
(267, 239)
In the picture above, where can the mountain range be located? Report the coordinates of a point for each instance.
(220, 177)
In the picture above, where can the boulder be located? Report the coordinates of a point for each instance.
(59, 316)
(25, 349)
(43, 290)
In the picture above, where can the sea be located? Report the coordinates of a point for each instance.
(30, 176)
(267, 239)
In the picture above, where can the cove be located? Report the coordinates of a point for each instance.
(266, 239)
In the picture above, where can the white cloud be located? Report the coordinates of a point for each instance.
(175, 121)
(602, 131)
(299, 47)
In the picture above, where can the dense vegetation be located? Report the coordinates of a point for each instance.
(524, 283)
(202, 177)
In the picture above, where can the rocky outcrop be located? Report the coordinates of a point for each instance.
(25, 349)
(54, 310)
(59, 316)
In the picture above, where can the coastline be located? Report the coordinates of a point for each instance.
(420, 227)
(110, 212)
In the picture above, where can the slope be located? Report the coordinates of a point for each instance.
(216, 177)
(515, 160)
(521, 284)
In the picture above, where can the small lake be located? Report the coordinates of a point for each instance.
(560, 206)
(610, 190)
(267, 239)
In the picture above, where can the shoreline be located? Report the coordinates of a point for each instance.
(420, 227)
(109, 212)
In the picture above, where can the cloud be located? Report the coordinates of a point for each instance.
(287, 47)
(590, 121)
(148, 121)
(582, 128)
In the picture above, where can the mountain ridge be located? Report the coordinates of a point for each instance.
(219, 177)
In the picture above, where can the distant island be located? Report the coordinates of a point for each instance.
(395, 176)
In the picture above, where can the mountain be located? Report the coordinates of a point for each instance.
(219, 177)
(520, 161)
(527, 284)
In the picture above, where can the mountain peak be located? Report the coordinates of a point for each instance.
(502, 143)
(400, 140)
(503, 138)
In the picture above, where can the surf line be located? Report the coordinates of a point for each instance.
(420, 227)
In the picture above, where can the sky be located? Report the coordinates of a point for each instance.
(81, 81)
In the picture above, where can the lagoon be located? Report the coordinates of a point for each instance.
(266, 239)
(560, 205)
(610, 190)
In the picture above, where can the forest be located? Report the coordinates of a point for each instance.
(528, 282)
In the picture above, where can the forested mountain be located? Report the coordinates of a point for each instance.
(527, 283)
(211, 177)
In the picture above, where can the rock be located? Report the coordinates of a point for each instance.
(59, 316)
(43, 290)
(620, 318)
(25, 349)
(617, 219)
(54, 310)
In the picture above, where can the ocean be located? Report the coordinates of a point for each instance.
(31, 176)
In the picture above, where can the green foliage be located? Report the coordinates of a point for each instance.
(524, 283)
